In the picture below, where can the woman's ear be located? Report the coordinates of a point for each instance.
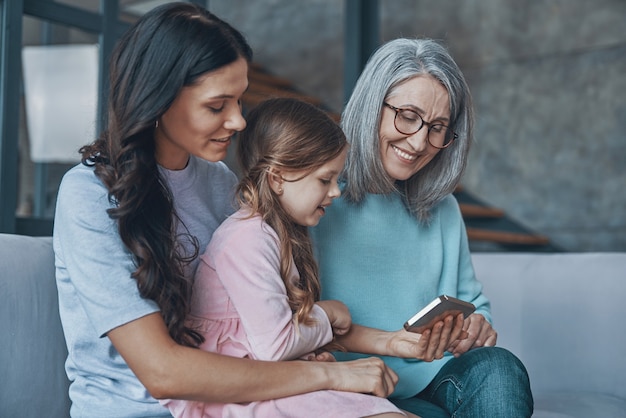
(275, 180)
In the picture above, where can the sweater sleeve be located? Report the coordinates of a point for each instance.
(247, 262)
(468, 287)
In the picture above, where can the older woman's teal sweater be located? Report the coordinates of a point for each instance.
(385, 266)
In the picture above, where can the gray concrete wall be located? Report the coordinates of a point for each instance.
(549, 83)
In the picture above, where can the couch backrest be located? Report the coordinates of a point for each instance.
(562, 315)
(32, 346)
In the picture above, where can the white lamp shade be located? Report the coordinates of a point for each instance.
(61, 94)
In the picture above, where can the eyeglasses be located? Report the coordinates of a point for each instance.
(408, 122)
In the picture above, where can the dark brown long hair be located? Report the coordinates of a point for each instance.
(168, 48)
(289, 135)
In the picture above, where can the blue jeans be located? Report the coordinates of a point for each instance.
(484, 382)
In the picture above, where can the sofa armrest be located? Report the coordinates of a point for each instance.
(32, 345)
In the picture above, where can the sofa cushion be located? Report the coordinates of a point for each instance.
(573, 405)
(32, 347)
(561, 314)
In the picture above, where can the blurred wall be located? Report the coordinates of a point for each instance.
(549, 84)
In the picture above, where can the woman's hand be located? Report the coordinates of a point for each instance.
(367, 375)
(338, 315)
(169, 370)
(479, 334)
(429, 345)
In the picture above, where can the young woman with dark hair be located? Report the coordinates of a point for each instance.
(132, 218)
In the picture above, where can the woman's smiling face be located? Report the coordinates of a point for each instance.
(404, 155)
(203, 117)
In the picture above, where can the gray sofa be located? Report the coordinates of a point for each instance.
(32, 346)
(560, 313)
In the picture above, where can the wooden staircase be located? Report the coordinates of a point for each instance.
(488, 228)
(264, 85)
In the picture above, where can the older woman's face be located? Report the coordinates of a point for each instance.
(404, 155)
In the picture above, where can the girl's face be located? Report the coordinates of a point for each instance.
(404, 155)
(203, 117)
(306, 199)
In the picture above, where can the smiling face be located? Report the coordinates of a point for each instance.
(203, 117)
(305, 198)
(404, 155)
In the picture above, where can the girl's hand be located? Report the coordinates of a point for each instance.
(480, 334)
(320, 355)
(338, 315)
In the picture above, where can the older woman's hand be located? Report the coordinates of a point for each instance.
(480, 334)
(429, 345)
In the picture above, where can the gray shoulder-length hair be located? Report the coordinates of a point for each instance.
(391, 65)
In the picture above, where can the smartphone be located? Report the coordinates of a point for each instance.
(437, 310)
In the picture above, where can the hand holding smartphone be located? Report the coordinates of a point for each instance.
(436, 310)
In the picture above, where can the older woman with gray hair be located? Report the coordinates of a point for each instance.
(395, 239)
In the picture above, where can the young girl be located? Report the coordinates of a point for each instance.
(256, 291)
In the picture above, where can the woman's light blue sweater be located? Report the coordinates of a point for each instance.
(385, 266)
